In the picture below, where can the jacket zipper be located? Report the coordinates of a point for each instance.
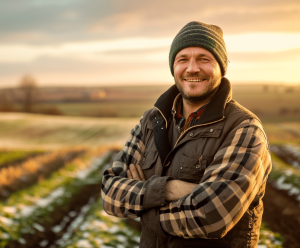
(162, 116)
(184, 132)
(200, 160)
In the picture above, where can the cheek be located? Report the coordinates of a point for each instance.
(216, 71)
(178, 70)
(208, 69)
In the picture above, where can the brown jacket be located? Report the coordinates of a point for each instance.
(226, 153)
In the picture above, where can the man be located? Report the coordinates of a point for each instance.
(195, 168)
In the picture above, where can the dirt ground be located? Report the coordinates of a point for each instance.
(75, 204)
(282, 215)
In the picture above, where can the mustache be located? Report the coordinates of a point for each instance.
(194, 75)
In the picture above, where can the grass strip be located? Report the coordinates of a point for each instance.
(269, 239)
(285, 177)
(8, 157)
(21, 212)
(98, 229)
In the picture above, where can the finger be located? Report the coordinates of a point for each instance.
(134, 172)
(129, 174)
(141, 173)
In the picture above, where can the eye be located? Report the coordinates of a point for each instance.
(204, 59)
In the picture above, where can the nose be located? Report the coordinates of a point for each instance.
(193, 67)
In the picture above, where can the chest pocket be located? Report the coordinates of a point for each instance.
(192, 168)
(148, 162)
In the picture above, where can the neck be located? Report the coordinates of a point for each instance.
(189, 107)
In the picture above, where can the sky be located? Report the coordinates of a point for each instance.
(117, 42)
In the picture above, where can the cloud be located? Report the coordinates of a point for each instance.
(282, 66)
(45, 21)
(146, 49)
(54, 71)
(96, 41)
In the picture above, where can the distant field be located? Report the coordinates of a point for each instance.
(272, 103)
(104, 109)
(32, 131)
(28, 131)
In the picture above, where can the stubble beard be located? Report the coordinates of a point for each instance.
(202, 97)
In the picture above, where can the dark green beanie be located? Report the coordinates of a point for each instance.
(199, 34)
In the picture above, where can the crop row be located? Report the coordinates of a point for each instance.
(98, 229)
(21, 175)
(269, 239)
(65, 211)
(28, 216)
(289, 153)
(8, 157)
(285, 177)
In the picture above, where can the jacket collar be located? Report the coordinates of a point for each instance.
(213, 111)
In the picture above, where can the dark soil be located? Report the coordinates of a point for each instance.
(287, 156)
(76, 203)
(32, 178)
(282, 215)
(20, 160)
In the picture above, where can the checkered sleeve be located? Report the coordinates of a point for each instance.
(229, 185)
(125, 197)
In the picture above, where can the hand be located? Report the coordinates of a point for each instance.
(136, 173)
(175, 189)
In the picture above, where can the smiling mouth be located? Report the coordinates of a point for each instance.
(194, 80)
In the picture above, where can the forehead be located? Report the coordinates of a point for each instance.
(194, 51)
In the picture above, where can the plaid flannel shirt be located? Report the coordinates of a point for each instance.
(226, 190)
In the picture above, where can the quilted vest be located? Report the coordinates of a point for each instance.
(185, 156)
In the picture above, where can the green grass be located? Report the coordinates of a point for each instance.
(269, 238)
(101, 230)
(14, 224)
(7, 156)
(285, 172)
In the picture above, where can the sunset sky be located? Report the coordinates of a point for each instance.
(105, 42)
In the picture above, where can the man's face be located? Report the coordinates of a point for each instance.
(197, 74)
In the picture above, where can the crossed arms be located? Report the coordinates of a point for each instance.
(175, 189)
(206, 210)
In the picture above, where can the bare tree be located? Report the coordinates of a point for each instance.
(28, 87)
(6, 100)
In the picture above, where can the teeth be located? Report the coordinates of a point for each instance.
(194, 80)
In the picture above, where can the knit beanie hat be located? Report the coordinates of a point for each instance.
(199, 34)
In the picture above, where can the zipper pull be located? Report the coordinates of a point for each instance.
(200, 159)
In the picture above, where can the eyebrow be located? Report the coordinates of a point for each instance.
(200, 55)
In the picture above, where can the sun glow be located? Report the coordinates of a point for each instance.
(253, 57)
(262, 42)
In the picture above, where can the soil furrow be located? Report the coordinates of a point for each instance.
(29, 178)
(55, 218)
(282, 215)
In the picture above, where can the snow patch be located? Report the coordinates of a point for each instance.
(44, 243)
(6, 221)
(9, 210)
(39, 227)
(262, 246)
(43, 202)
(84, 243)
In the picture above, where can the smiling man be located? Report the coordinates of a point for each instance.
(195, 167)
